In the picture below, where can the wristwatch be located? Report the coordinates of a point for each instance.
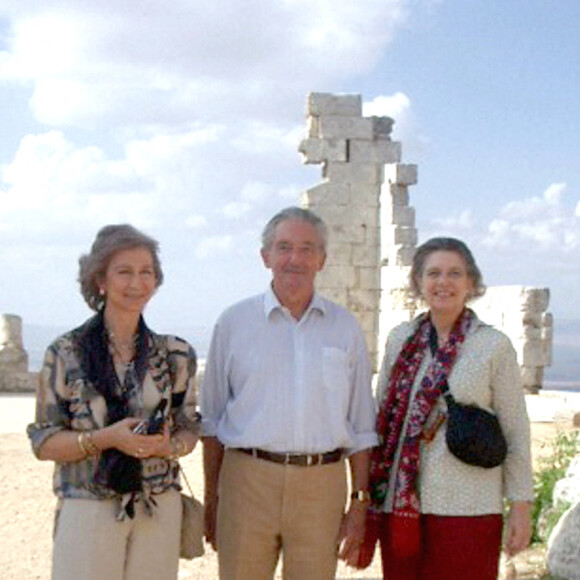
(361, 495)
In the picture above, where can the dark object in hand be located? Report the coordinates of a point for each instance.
(154, 424)
(121, 472)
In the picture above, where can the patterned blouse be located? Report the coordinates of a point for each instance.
(67, 400)
(485, 373)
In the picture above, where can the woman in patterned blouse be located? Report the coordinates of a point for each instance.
(438, 518)
(116, 474)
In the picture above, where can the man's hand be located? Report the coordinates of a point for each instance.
(352, 532)
(210, 519)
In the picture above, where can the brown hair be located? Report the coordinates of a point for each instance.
(445, 245)
(110, 240)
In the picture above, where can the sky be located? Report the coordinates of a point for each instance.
(183, 118)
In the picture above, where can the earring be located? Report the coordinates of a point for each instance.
(101, 291)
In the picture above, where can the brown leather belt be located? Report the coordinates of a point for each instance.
(303, 460)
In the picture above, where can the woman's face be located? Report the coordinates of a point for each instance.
(129, 281)
(445, 283)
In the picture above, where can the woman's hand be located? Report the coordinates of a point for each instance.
(519, 528)
(121, 435)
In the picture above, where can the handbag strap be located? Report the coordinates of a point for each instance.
(449, 399)
(182, 472)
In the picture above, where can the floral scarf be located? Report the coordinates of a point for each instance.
(395, 408)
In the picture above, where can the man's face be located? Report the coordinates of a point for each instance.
(295, 257)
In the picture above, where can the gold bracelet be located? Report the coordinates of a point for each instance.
(86, 444)
(81, 444)
(90, 444)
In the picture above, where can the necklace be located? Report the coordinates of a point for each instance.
(124, 349)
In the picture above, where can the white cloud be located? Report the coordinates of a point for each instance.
(196, 60)
(212, 245)
(462, 221)
(545, 221)
(170, 116)
(236, 209)
(195, 221)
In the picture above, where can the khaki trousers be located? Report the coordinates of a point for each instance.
(90, 544)
(266, 509)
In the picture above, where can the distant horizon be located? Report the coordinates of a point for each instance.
(564, 374)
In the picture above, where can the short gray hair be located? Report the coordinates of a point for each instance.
(445, 245)
(110, 240)
(294, 213)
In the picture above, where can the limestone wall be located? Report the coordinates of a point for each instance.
(522, 313)
(364, 198)
(353, 151)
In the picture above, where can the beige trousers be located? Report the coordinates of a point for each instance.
(266, 509)
(90, 544)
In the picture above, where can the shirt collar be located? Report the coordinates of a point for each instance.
(271, 303)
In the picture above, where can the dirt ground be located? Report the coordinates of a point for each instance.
(27, 503)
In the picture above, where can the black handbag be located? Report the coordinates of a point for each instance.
(474, 435)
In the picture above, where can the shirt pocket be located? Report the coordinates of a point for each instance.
(335, 372)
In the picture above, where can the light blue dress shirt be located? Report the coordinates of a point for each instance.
(285, 385)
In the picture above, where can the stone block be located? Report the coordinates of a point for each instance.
(18, 382)
(320, 104)
(401, 215)
(399, 255)
(337, 295)
(405, 174)
(533, 353)
(327, 194)
(373, 235)
(369, 278)
(337, 277)
(363, 300)
(378, 151)
(335, 127)
(321, 150)
(353, 172)
(367, 321)
(365, 255)
(363, 214)
(338, 215)
(313, 127)
(532, 377)
(382, 127)
(352, 233)
(535, 299)
(338, 253)
(393, 235)
(394, 194)
(365, 194)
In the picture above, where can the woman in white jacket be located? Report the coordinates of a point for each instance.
(440, 518)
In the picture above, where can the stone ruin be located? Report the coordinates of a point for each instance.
(14, 375)
(364, 199)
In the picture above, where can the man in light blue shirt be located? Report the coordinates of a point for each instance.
(286, 397)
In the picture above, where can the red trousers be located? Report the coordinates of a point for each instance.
(452, 548)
